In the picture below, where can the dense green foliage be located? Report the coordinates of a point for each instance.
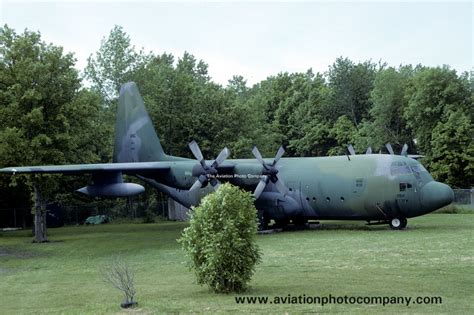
(221, 240)
(48, 117)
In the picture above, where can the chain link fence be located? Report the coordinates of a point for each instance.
(464, 197)
(15, 217)
(59, 215)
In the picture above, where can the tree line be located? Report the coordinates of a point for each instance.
(51, 113)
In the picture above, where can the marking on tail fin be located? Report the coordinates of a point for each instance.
(132, 143)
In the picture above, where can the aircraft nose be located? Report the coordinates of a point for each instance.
(435, 195)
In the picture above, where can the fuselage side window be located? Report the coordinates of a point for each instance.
(403, 186)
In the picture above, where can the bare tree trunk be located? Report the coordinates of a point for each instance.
(40, 218)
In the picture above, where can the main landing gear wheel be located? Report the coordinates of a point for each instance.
(398, 223)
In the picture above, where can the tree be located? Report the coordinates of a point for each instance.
(288, 118)
(220, 240)
(433, 94)
(452, 157)
(316, 140)
(112, 64)
(389, 102)
(238, 85)
(350, 86)
(342, 132)
(44, 115)
(284, 105)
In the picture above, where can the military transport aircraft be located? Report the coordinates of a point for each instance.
(377, 188)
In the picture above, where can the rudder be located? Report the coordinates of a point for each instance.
(135, 136)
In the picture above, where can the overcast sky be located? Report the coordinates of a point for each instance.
(256, 40)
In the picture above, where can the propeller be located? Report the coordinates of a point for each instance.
(351, 149)
(353, 152)
(402, 152)
(389, 148)
(269, 173)
(206, 173)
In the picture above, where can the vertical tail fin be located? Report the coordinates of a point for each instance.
(135, 136)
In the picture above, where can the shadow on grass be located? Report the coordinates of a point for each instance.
(8, 253)
(359, 226)
(328, 226)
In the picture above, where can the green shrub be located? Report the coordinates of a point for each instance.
(220, 240)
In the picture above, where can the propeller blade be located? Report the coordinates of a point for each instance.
(257, 155)
(207, 174)
(389, 148)
(279, 154)
(270, 171)
(369, 150)
(351, 149)
(404, 150)
(224, 154)
(197, 185)
(280, 186)
(260, 187)
(215, 183)
(196, 152)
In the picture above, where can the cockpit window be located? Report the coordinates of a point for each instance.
(400, 168)
(417, 168)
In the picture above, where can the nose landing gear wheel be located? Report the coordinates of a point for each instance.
(398, 223)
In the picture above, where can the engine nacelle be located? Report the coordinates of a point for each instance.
(112, 190)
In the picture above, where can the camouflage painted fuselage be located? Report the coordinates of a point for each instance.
(367, 187)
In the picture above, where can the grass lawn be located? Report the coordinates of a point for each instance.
(433, 257)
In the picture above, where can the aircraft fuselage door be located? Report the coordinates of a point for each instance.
(376, 196)
(407, 196)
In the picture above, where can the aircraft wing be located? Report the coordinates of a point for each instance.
(126, 168)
